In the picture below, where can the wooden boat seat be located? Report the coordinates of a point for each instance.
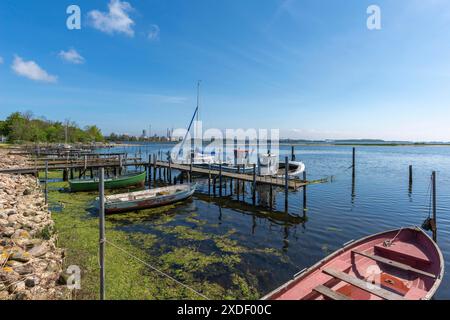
(403, 252)
(364, 285)
(395, 264)
(331, 294)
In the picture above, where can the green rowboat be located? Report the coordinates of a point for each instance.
(121, 182)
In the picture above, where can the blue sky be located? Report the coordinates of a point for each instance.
(310, 68)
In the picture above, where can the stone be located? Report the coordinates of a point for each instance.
(18, 254)
(39, 250)
(27, 192)
(31, 282)
(21, 234)
(7, 232)
(4, 223)
(24, 269)
(17, 287)
(3, 257)
(13, 218)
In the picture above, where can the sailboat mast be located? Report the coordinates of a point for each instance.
(198, 98)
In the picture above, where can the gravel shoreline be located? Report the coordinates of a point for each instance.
(30, 262)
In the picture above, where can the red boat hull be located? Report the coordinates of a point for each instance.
(394, 265)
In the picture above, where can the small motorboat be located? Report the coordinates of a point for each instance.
(148, 199)
(123, 181)
(269, 165)
(295, 169)
(404, 264)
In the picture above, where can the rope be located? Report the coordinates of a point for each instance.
(389, 243)
(157, 270)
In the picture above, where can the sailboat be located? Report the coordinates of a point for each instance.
(196, 156)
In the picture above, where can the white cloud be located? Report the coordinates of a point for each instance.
(31, 70)
(71, 56)
(116, 20)
(153, 34)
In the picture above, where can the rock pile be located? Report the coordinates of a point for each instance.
(30, 262)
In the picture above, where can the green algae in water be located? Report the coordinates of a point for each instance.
(127, 278)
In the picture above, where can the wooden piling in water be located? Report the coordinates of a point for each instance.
(254, 185)
(209, 179)
(286, 184)
(434, 224)
(354, 162)
(149, 170)
(220, 179)
(293, 153)
(304, 195)
(410, 175)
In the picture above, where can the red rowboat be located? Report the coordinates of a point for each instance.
(404, 264)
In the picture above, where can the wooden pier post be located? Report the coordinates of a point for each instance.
(434, 223)
(220, 179)
(120, 164)
(149, 168)
(154, 170)
(286, 184)
(271, 196)
(410, 175)
(293, 153)
(354, 162)
(231, 186)
(238, 191)
(170, 170)
(254, 185)
(46, 182)
(209, 179)
(102, 232)
(304, 195)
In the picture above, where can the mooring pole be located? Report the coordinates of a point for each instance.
(231, 186)
(271, 196)
(354, 162)
(286, 183)
(120, 164)
(238, 187)
(434, 224)
(220, 179)
(293, 153)
(254, 184)
(154, 170)
(209, 179)
(170, 171)
(46, 182)
(149, 170)
(102, 232)
(304, 194)
(410, 175)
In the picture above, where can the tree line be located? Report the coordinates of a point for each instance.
(24, 127)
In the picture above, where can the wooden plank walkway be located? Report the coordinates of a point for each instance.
(279, 182)
(264, 180)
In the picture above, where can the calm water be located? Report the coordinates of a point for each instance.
(336, 212)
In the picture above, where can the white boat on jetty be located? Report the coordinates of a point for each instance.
(269, 165)
(147, 199)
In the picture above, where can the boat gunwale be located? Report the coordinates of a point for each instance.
(305, 272)
(113, 179)
(116, 199)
